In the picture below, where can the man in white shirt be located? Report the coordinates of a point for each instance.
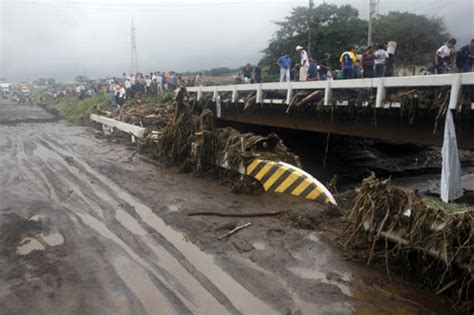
(381, 55)
(304, 63)
(444, 57)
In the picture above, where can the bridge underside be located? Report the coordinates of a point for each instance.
(419, 127)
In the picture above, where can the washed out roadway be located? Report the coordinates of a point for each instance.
(127, 247)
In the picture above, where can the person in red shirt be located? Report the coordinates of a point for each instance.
(367, 63)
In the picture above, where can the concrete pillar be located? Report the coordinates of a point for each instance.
(259, 94)
(327, 93)
(380, 100)
(289, 93)
(455, 92)
(235, 95)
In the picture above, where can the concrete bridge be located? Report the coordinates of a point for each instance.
(402, 109)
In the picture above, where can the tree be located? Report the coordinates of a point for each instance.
(332, 27)
(417, 36)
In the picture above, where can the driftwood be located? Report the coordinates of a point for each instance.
(310, 98)
(238, 215)
(234, 231)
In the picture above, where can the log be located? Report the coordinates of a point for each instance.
(234, 231)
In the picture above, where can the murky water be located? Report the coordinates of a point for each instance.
(53, 239)
(28, 245)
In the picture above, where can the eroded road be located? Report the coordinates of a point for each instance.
(83, 231)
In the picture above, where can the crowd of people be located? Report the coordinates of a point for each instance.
(353, 64)
(369, 63)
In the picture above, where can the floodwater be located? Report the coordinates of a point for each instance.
(28, 245)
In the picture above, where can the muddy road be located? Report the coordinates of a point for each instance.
(85, 231)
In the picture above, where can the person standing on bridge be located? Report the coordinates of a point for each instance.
(284, 62)
(347, 60)
(247, 71)
(444, 57)
(367, 63)
(465, 58)
(258, 73)
(381, 55)
(304, 63)
(324, 67)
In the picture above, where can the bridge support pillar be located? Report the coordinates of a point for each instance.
(199, 94)
(289, 94)
(381, 91)
(259, 94)
(455, 92)
(214, 95)
(327, 93)
(234, 95)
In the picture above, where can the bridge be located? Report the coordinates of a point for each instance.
(402, 109)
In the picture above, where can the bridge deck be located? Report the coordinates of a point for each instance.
(382, 122)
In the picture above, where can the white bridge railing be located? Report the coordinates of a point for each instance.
(454, 81)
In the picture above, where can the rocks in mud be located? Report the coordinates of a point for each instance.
(242, 246)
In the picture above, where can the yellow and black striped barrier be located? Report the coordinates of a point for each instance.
(282, 177)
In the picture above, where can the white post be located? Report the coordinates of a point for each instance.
(327, 93)
(289, 93)
(455, 92)
(234, 95)
(259, 94)
(214, 96)
(380, 100)
(199, 93)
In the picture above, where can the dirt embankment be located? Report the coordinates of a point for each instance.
(85, 231)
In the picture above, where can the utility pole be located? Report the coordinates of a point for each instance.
(310, 22)
(133, 57)
(373, 9)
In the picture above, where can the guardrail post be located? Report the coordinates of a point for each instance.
(199, 93)
(380, 100)
(214, 96)
(327, 92)
(289, 93)
(259, 94)
(455, 92)
(234, 95)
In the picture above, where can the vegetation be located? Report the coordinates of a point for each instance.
(215, 72)
(74, 110)
(333, 28)
(417, 36)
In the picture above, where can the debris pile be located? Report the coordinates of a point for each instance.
(193, 140)
(413, 236)
(154, 116)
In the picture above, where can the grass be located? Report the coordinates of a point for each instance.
(77, 111)
(436, 203)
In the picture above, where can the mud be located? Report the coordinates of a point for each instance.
(116, 240)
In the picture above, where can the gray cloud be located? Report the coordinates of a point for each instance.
(62, 38)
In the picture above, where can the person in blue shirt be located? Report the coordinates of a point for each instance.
(285, 65)
(347, 63)
(465, 58)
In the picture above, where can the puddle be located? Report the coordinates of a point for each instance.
(176, 205)
(312, 274)
(53, 239)
(37, 217)
(259, 245)
(140, 284)
(276, 232)
(28, 245)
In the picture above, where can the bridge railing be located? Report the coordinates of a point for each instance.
(455, 81)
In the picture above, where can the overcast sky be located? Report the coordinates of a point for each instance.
(62, 38)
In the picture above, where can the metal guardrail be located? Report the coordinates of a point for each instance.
(455, 81)
(133, 130)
